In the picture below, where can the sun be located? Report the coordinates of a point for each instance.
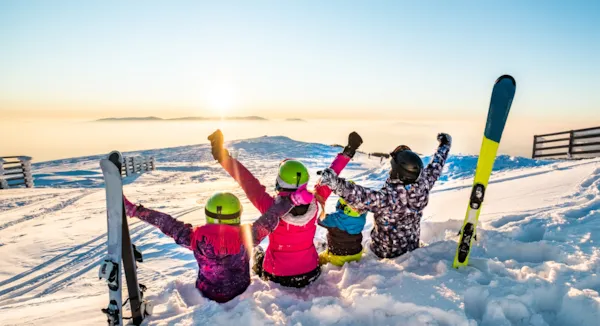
(221, 99)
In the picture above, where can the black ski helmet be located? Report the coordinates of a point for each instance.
(406, 165)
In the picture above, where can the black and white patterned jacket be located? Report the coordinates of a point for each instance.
(397, 208)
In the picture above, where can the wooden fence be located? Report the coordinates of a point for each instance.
(137, 164)
(15, 171)
(572, 144)
(380, 155)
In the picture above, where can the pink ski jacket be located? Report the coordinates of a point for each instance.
(291, 250)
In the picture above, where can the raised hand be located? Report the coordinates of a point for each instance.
(444, 139)
(216, 143)
(354, 142)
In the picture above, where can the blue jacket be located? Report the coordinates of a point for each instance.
(349, 224)
(344, 233)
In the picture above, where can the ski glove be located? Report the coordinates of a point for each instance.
(302, 196)
(327, 177)
(130, 208)
(216, 144)
(354, 142)
(444, 139)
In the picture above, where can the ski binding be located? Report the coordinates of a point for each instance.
(108, 271)
(112, 312)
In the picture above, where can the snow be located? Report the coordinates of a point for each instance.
(536, 261)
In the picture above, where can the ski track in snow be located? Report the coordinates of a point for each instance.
(536, 261)
(82, 257)
(55, 208)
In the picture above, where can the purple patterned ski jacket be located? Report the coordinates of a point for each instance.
(397, 208)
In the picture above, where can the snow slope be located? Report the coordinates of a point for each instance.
(537, 261)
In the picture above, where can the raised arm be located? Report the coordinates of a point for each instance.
(255, 191)
(338, 164)
(267, 222)
(361, 198)
(179, 231)
(270, 219)
(433, 170)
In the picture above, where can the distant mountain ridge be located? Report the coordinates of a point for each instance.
(152, 118)
(129, 119)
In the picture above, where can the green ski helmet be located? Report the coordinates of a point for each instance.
(223, 208)
(292, 174)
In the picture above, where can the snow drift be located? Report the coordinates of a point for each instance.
(537, 261)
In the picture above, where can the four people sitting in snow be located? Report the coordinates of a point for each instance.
(290, 220)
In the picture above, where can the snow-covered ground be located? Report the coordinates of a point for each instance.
(537, 261)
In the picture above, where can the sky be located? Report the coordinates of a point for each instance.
(407, 60)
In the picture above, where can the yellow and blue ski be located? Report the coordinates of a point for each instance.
(502, 98)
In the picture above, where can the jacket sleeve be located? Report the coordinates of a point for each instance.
(362, 198)
(179, 231)
(330, 221)
(322, 192)
(255, 191)
(433, 170)
(270, 219)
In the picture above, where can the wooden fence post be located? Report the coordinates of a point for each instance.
(534, 143)
(3, 183)
(146, 166)
(136, 162)
(152, 164)
(127, 166)
(570, 152)
(26, 166)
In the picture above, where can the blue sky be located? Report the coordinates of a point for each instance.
(377, 59)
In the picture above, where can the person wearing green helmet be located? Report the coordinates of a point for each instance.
(344, 234)
(292, 174)
(291, 258)
(223, 208)
(220, 246)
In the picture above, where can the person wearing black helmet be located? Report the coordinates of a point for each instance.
(398, 206)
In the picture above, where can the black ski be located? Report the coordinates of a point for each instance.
(117, 225)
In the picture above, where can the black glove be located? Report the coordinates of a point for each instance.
(354, 142)
(216, 143)
(444, 139)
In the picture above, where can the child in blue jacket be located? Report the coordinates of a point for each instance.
(344, 235)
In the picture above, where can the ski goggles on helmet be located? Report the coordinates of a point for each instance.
(291, 177)
(220, 218)
(348, 210)
(281, 188)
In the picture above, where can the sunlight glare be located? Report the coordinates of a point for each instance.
(221, 99)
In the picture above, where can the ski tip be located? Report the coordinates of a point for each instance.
(115, 157)
(508, 77)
